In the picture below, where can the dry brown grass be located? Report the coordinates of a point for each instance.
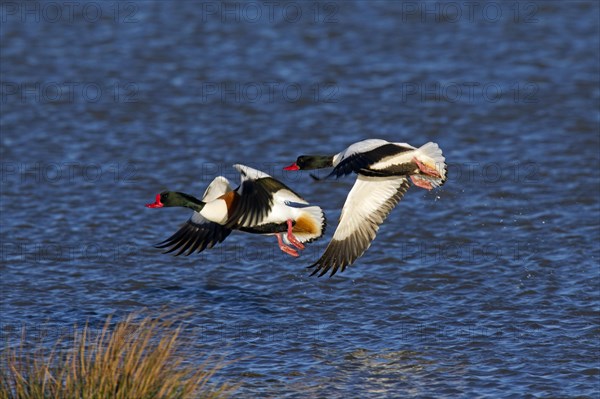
(131, 359)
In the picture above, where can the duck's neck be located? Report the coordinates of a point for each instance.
(319, 161)
(189, 201)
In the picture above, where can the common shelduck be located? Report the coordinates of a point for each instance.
(259, 205)
(383, 169)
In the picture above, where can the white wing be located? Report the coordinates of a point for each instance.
(219, 186)
(368, 204)
(372, 158)
(248, 173)
(358, 147)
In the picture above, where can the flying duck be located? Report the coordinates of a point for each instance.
(259, 205)
(383, 170)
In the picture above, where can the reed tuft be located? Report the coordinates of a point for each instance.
(134, 358)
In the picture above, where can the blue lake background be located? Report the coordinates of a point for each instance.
(487, 287)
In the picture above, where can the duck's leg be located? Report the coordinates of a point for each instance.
(417, 181)
(426, 169)
(285, 248)
(290, 236)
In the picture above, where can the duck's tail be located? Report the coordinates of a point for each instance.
(430, 154)
(310, 224)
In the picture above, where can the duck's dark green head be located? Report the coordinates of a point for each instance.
(174, 198)
(308, 162)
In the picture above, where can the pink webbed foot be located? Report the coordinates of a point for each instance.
(417, 181)
(285, 248)
(290, 236)
(427, 170)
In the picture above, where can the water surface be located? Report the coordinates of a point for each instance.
(486, 287)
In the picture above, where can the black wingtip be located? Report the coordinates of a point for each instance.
(334, 270)
(163, 244)
(322, 269)
(333, 173)
(329, 176)
(316, 269)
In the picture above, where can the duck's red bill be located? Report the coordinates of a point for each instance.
(156, 204)
(293, 166)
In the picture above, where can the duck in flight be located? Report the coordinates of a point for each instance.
(259, 205)
(383, 170)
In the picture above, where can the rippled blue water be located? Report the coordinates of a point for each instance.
(486, 287)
